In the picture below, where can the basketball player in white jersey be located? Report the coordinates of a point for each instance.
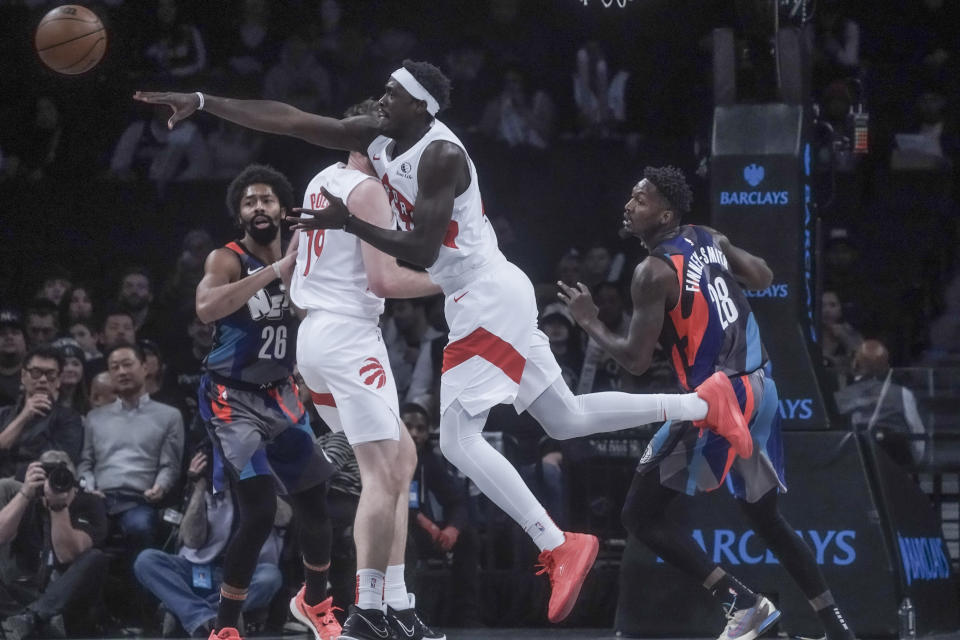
(340, 282)
(496, 354)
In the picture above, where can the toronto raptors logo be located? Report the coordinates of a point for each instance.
(373, 374)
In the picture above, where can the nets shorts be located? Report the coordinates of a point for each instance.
(263, 432)
(690, 462)
(496, 353)
(344, 362)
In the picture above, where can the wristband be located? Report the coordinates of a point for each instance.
(276, 270)
(202, 101)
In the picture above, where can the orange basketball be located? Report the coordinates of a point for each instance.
(70, 39)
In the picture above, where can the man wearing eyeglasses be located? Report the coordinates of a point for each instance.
(36, 423)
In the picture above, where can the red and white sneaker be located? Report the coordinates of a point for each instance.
(227, 633)
(723, 414)
(567, 566)
(319, 618)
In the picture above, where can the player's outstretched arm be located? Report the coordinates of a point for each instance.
(387, 279)
(653, 289)
(221, 291)
(752, 271)
(270, 116)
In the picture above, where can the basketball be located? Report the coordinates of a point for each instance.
(70, 39)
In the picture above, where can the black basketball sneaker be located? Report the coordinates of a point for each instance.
(366, 624)
(407, 625)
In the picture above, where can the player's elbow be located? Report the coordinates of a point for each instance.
(763, 275)
(205, 313)
(637, 365)
(378, 285)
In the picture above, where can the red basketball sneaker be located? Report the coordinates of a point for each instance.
(723, 414)
(227, 633)
(318, 618)
(567, 566)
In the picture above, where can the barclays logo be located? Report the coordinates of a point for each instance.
(753, 174)
(831, 547)
(773, 291)
(796, 408)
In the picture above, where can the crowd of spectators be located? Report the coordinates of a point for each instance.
(100, 361)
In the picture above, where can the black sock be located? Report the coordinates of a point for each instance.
(733, 594)
(315, 582)
(228, 613)
(834, 623)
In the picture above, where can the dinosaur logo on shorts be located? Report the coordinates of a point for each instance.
(373, 374)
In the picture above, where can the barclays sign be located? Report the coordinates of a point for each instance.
(831, 547)
(753, 175)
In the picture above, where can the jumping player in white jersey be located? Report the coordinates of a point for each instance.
(340, 282)
(496, 353)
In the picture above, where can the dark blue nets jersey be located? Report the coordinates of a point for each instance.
(257, 342)
(712, 327)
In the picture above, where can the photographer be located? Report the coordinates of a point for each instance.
(51, 566)
(188, 583)
(37, 423)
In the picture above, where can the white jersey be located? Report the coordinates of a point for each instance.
(330, 274)
(470, 243)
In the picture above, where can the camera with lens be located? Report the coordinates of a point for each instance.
(60, 477)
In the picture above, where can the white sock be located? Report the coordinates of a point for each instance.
(370, 588)
(395, 593)
(544, 532)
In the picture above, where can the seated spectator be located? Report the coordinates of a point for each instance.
(298, 78)
(187, 583)
(873, 401)
(179, 50)
(148, 150)
(600, 265)
(157, 384)
(135, 294)
(132, 450)
(51, 532)
(36, 422)
(101, 390)
(251, 46)
(76, 304)
(40, 148)
(85, 332)
(517, 116)
(13, 348)
(179, 291)
(73, 385)
(232, 148)
(600, 372)
(838, 339)
(566, 341)
(408, 334)
(42, 322)
(933, 144)
(186, 363)
(56, 282)
(439, 523)
(116, 328)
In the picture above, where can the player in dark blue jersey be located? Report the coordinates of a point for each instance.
(261, 434)
(687, 295)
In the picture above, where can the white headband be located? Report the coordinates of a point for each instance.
(406, 80)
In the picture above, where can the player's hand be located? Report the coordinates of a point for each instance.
(579, 301)
(34, 479)
(37, 406)
(153, 494)
(332, 216)
(197, 465)
(183, 104)
(447, 538)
